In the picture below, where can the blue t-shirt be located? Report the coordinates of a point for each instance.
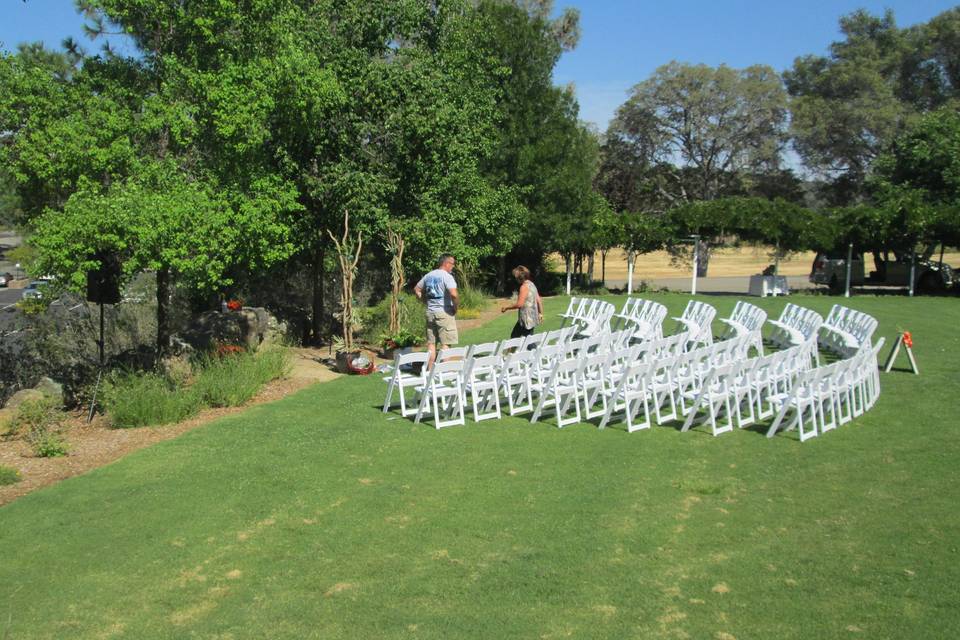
(436, 287)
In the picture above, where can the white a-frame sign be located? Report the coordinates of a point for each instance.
(906, 340)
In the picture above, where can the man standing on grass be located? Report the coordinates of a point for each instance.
(438, 290)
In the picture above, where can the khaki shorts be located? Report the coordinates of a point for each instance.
(442, 328)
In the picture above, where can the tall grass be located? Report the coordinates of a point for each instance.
(375, 320)
(8, 475)
(138, 400)
(233, 380)
(473, 300)
(143, 399)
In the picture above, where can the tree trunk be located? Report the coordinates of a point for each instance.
(703, 258)
(631, 256)
(163, 312)
(603, 267)
(502, 285)
(569, 263)
(590, 265)
(317, 275)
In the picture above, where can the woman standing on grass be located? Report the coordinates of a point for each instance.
(529, 305)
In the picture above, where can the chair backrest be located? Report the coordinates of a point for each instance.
(407, 359)
(405, 364)
(483, 349)
(483, 368)
(534, 341)
(653, 313)
(447, 372)
(509, 345)
(452, 353)
(593, 368)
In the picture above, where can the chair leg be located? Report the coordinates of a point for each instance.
(386, 403)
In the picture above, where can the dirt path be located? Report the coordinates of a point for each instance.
(95, 444)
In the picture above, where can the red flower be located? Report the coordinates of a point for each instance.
(908, 339)
(235, 305)
(224, 350)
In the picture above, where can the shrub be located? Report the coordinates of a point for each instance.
(47, 444)
(375, 320)
(472, 299)
(233, 380)
(41, 421)
(8, 475)
(140, 400)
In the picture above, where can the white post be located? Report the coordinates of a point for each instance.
(630, 259)
(913, 270)
(696, 265)
(846, 293)
(568, 273)
(776, 268)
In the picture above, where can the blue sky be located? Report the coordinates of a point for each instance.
(623, 41)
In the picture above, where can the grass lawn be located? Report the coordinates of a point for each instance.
(319, 517)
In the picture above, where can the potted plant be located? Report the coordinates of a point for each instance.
(352, 360)
(399, 342)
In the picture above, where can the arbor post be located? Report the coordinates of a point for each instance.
(846, 293)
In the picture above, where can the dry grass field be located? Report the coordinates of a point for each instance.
(731, 261)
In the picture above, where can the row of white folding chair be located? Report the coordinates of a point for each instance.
(644, 317)
(639, 378)
(478, 379)
(560, 379)
(825, 397)
(628, 311)
(796, 325)
(647, 320)
(578, 309)
(574, 308)
(596, 320)
(846, 331)
(409, 371)
(743, 389)
(746, 319)
(697, 320)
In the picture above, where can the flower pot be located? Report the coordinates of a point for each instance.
(391, 354)
(355, 362)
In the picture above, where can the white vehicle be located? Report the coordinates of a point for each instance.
(34, 290)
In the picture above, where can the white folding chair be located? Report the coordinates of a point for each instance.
(631, 393)
(516, 381)
(409, 371)
(802, 400)
(717, 396)
(443, 391)
(481, 385)
(559, 391)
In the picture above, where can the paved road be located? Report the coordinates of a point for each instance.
(735, 285)
(9, 296)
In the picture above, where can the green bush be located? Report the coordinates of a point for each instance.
(232, 380)
(375, 320)
(8, 475)
(473, 298)
(133, 400)
(40, 421)
(47, 444)
(140, 400)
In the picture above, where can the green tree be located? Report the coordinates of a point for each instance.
(848, 106)
(712, 124)
(540, 149)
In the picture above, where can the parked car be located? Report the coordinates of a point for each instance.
(34, 290)
(5, 279)
(930, 276)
